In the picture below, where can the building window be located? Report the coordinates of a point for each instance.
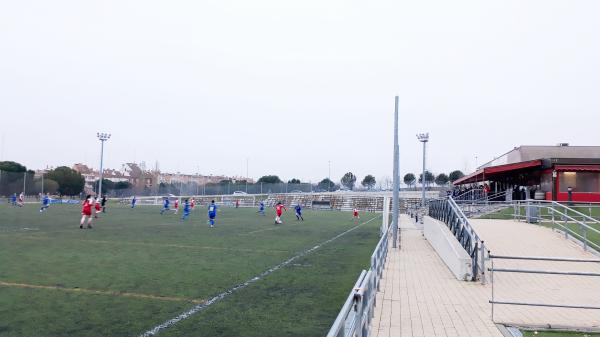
(582, 182)
(546, 182)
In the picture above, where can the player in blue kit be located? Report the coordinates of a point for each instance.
(212, 213)
(186, 210)
(45, 203)
(133, 201)
(298, 209)
(261, 208)
(166, 203)
(13, 199)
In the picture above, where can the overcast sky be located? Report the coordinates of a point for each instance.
(205, 85)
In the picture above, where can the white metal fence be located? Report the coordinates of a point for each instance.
(365, 202)
(356, 314)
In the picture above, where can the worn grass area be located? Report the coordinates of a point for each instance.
(136, 269)
(558, 334)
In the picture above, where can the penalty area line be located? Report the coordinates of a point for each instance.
(100, 292)
(200, 307)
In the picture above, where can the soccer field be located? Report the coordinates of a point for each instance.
(137, 269)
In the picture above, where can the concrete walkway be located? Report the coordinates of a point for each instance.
(505, 237)
(419, 296)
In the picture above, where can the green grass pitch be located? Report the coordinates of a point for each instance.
(136, 269)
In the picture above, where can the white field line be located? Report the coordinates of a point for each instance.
(150, 244)
(269, 229)
(200, 307)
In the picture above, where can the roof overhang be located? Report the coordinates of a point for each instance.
(575, 168)
(489, 172)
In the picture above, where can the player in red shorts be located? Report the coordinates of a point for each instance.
(355, 214)
(97, 208)
(279, 208)
(176, 206)
(86, 211)
(21, 199)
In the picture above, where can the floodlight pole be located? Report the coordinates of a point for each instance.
(396, 179)
(102, 137)
(423, 138)
(329, 176)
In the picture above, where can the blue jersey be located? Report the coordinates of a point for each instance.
(166, 203)
(298, 209)
(133, 201)
(261, 206)
(46, 200)
(186, 207)
(13, 198)
(212, 209)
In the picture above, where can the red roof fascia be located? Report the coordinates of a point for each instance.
(512, 167)
(469, 178)
(577, 168)
(484, 173)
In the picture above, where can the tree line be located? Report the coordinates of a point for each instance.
(64, 180)
(441, 179)
(348, 181)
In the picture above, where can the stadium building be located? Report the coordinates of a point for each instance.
(541, 172)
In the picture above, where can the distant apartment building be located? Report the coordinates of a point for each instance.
(141, 179)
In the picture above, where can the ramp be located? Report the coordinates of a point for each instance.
(420, 297)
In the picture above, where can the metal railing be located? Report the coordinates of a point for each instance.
(515, 302)
(357, 312)
(479, 196)
(562, 217)
(448, 212)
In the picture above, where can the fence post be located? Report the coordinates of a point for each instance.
(482, 248)
(565, 218)
(584, 228)
(358, 311)
(475, 256)
(492, 280)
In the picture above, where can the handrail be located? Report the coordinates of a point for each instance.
(567, 216)
(519, 270)
(356, 313)
(577, 212)
(542, 258)
(550, 206)
(455, 219)
(339, 323)
(482, 199)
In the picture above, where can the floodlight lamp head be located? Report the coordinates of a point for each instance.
(103, 136)
(423, 137)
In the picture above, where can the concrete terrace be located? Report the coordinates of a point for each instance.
(420, 297)
(505, 237)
